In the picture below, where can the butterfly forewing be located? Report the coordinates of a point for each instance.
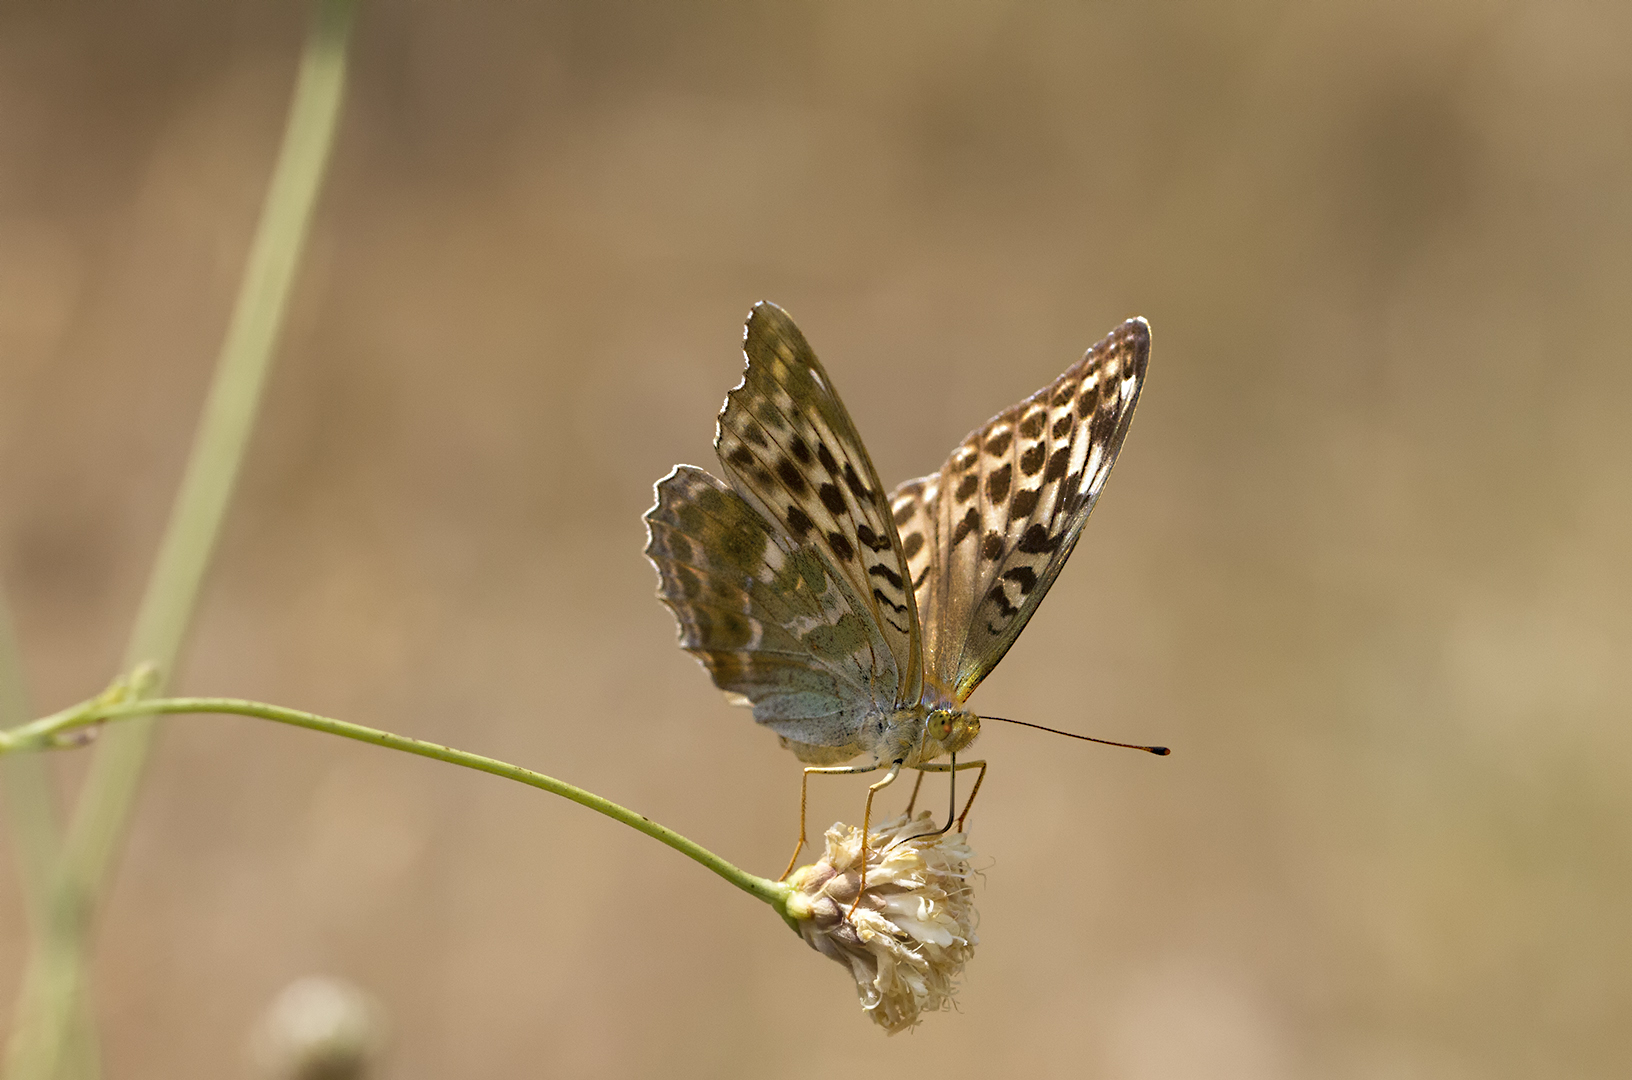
(999, 520)
(769, 620)
(790, 449)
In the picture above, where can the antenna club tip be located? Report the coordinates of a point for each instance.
(1159, 751)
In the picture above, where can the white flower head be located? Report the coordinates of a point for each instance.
(907, 940)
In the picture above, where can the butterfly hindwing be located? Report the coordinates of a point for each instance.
(789, 448)
(774, 626)
(1003, 514)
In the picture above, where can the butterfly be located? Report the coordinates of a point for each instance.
(855, 622)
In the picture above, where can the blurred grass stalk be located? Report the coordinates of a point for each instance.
(30, 807)
(70, 882)
(31, 810)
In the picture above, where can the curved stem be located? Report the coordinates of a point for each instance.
(58, 729)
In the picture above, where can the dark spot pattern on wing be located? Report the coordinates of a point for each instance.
(871, 540)
(1025, 501)
(997, 483)
(1056, 465)
(1023, 576)
(791, 478)
(832, 498)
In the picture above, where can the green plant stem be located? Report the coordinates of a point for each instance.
(52, 730)
(53, 979)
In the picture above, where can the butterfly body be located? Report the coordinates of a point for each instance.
(913, 736)
(856, 623)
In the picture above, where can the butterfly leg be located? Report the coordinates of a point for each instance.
(980, 778)
(867, 824)
(957, 767)
(804, 789)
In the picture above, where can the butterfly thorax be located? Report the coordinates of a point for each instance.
(919, 734)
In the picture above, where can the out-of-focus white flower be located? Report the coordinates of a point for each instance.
(319, 1028)
(907, 940)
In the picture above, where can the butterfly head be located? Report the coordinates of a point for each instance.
(951, 729)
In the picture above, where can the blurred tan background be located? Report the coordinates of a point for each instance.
(1366, 563)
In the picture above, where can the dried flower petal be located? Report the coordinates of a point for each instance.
(913, 930)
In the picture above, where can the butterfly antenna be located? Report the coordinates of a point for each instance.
(1159, 751)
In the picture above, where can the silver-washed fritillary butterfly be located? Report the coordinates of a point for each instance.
(855, 623)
